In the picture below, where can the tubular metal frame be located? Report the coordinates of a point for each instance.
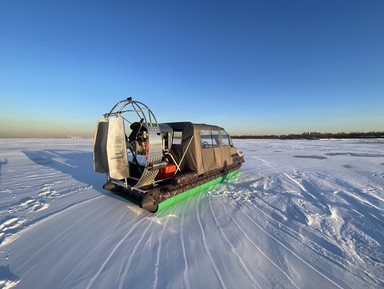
(155, 148)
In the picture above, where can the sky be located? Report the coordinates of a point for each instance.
(252, 67)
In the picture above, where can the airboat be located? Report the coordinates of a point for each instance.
(157, 164)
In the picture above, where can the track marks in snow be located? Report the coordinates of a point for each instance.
(185, 255)
(327, 249)
(325, 227)
(158, 254)
(243, 267)
(286, 247)
(113, 252)
(291, 240)
(207, 250)
(335, 213)
(256, 246)
(284, 199)
(29, 259)
(307, 189)
(127, 266)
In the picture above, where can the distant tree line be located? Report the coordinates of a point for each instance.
(316, 135)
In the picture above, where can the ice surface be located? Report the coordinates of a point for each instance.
(299, 214)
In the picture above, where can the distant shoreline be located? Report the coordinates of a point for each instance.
(316, 135)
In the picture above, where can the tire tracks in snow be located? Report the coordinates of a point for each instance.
(68, 279)
(322, 203)
(260, 250)
(157, 263)
(243, 268)
(290, 251)
(314, 247)
(114, 250)
(57, 237)
(186, 209)
(125, 271)
(182, 238)
(304, 190)
(313, 198)
(205, 245)
(338, 236)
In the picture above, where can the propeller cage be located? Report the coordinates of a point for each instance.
(128, 145)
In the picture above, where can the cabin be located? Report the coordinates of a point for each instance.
(199, 148)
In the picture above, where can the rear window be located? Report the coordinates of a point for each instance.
(177, 137)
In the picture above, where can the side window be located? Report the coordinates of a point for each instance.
(205, 138)
(215, 138)
(177, 137)
(226, 140)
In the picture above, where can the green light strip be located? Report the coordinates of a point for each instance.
(193, 191)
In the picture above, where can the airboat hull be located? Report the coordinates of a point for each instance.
(193, 191)
(162, 197)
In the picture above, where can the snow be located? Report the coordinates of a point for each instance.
(299, 214)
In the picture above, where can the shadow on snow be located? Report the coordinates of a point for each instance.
(76, 163)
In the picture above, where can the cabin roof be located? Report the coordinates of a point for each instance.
(179, 126)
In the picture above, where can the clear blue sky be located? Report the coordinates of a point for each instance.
(253, 67)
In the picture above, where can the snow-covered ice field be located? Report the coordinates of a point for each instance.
(299, 214)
